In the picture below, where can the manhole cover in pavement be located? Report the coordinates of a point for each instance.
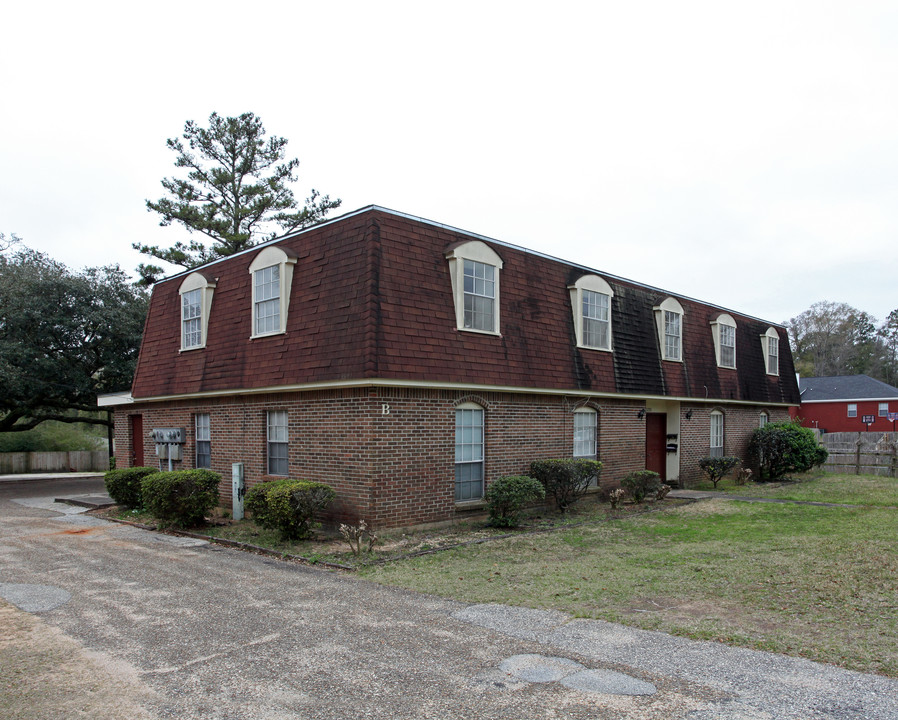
(544, 669)
(34, 598)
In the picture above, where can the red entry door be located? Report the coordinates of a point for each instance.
(656, 443)
(136, 440)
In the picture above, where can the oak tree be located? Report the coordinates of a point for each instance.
(65, 337)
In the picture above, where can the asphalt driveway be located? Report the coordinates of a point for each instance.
(200, 631)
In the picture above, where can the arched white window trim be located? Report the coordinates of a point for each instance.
(479, 252)
(196, 281)
(590, 283)
(723, 321)
(266, 258)
(670, 350)
(770, 342)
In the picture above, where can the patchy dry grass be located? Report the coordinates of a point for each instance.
(803, 580)
(820, 487)
(811, 581)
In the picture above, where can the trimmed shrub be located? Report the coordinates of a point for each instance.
(123, 485)
(716, 467)
(288, 506)
(181, 498)
(565, 479)
(640, 483)
(780, 448)
(508, 495)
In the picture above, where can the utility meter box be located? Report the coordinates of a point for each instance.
(238, 490)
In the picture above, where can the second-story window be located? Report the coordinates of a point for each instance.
(770, 344)
(196, 304)
(267, 300)
(669, 322)
(595, 319)
(723, 330)
(474, 269)
(272, 278)
(480, 295)
(192, 319)
(591, 306)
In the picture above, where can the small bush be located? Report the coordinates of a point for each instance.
(716, 467)
(781, 448)
(288, 506)
(123, 485)
(640, 483)
(181, 498)
(616, 497)
(359, 537)
(508, 495)
(565, 479)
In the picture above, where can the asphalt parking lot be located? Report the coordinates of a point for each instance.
(200, 631)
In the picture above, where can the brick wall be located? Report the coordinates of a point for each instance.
(740, 421)
(390, 452)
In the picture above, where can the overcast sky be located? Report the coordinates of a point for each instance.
(745, 154)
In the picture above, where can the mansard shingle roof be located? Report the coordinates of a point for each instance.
(372, 299)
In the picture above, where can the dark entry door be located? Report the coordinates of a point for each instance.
(136, 440)
(656, 443)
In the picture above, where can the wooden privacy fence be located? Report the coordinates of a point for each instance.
(861, 453)
(40, 462)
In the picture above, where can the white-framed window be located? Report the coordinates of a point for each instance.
(883, 409)
(272, 279)
(591, 307)
(267, 300)
(196, 302)
(469, 455)
(203, 440)
(716, 440)
(474, 269)
(852, 409)
(480, 296)
(585, 436)
(669, 320)
(770, 343)
(585, 422)
(723, 330)
(763, 419)
(277, 443)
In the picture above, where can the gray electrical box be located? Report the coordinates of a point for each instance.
(238, 490)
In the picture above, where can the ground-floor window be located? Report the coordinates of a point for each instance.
(203, 441)
(277, 443)
(468, 452)
(716, 434)
(585, 425)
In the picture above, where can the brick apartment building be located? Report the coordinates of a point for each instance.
(408, 364)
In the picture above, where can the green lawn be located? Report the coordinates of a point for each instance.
(820, 487)
(812, 581)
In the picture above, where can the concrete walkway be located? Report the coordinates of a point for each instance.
(707, 494)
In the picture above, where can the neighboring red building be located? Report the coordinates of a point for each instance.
(408, 364)
(841, 403)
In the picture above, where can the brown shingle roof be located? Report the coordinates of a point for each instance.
(372, 298)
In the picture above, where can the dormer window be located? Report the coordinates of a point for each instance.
(196, 303)
(669, 322)
(272, 278)
(591, 307)
(474, 270)
(723, 329)
(770, 344)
